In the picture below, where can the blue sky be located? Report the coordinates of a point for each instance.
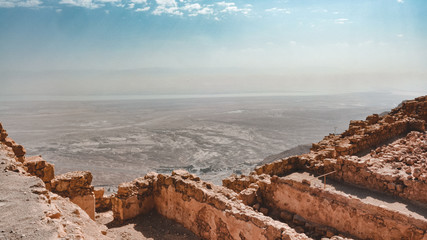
(190, 46)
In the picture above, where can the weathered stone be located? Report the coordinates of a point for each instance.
(19, 150)
(286, 216)
(298, 220)
(37, 166)
(76, 186)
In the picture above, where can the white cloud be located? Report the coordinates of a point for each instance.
(19, 3)
(167, 7)
(167, 10)
(341, 21)
(81, 3)
(278, 10)
(225, 4)
(400, 1)
(231, 7)
(108, 1)
(131, 5)
(58, 10)
(142, 9)
(196, 9)
(400, 35)
(166, 3)
(191, 7)
(139, 1)
(205, 11)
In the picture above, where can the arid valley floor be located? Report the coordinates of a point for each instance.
(119, 140)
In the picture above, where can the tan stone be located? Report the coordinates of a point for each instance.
(37, 166)
(86, 203)
(76, 186)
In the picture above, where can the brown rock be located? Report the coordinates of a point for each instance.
(9, 141)
(99, 192)
(286, 216)
(248, 196)
(264, 211)
(19, 150)
(3, 135)
(298, 220)
(37, 166)
(372, 119)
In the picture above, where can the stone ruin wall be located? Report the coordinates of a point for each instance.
(211, 212)
(334, 153)
(76, 186)
(346, 215)
(321, 212)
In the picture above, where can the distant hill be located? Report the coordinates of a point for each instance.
(298, 150)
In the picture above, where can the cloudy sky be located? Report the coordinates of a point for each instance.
(80, 47)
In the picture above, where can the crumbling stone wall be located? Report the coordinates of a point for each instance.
(416, 108)
(399, 168)
(210, 211)
(37, 166)
(337, 153)
(102, 202)
(348, 215)
(134, 198)
(76, 186)
(326, 212)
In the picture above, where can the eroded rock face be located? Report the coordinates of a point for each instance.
(76, 186)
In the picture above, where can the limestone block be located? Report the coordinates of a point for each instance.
(86, 203)
(37, 166)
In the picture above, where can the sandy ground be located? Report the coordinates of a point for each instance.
(21, 209)
(152, 226)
